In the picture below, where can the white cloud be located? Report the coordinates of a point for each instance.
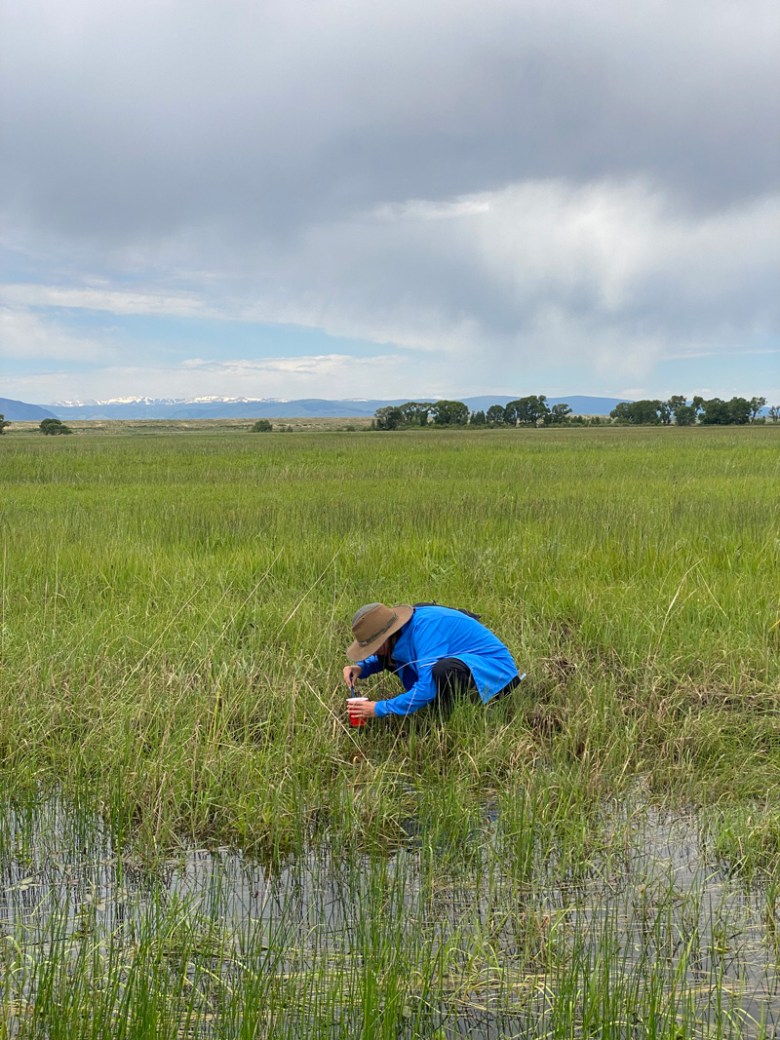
(317, 365)
(25, 335)
(112, 300)
(612, 269)
(335, 377)
(611, 272)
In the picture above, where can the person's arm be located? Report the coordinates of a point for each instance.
(421, 694)
(361, 670)
(371, 666)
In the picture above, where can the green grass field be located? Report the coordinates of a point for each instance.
(175, 609)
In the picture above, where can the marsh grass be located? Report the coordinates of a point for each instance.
(175, 612)
(492, 937)
(174, 615)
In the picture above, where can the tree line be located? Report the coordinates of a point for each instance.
(738, 411)
(534, 411)
(526, 411)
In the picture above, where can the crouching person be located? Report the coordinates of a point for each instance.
(438, 654)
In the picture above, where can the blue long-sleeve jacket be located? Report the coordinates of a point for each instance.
(431, 634)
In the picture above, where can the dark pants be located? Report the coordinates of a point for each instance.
(454, 680)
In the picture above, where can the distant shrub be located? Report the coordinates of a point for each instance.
(262, 426)
(54, 427)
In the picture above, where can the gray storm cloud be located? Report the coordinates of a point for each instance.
(140, 119)
(513, 175)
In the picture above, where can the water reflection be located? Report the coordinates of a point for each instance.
(474, 942)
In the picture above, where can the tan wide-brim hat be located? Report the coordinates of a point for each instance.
(372, 625)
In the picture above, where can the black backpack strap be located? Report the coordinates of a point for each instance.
(468, 613)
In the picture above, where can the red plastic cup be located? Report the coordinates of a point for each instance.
(353, 719)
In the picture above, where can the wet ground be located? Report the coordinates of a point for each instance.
(654, 921)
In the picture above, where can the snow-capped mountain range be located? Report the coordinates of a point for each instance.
(214, 407)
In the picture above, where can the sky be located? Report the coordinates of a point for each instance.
(326, 198)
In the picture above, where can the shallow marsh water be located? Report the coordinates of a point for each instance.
(649, 935)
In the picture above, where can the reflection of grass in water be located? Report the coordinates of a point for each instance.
(174, 614)
(654, 939)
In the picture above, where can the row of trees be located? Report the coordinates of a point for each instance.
(526, 411)
(739, 411)
(534, 411)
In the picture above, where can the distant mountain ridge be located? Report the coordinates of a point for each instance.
(20, 411)
(273, 408)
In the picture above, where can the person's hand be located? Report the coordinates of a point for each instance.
(351, 672)
(362, 710)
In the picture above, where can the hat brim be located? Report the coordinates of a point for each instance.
(360, 651)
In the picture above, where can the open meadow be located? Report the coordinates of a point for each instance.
(195, 843)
